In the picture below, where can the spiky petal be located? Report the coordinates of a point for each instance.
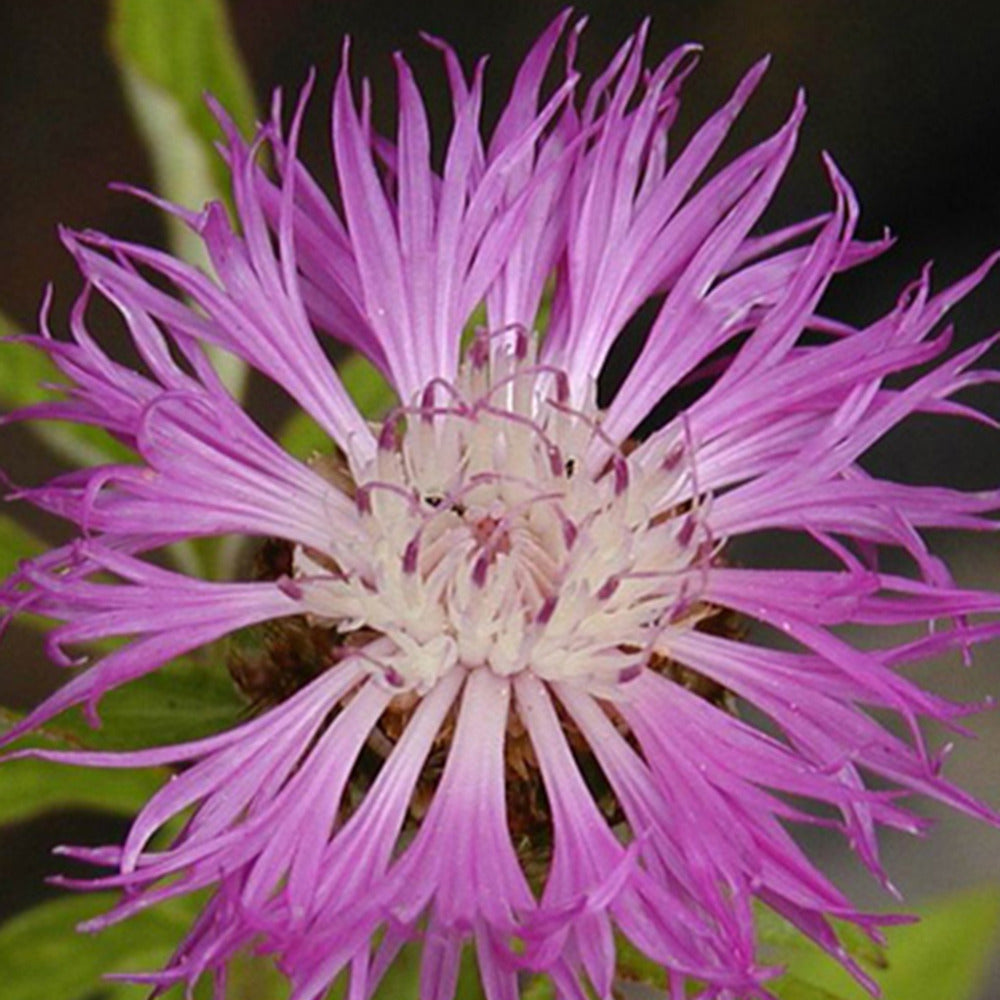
(523, 605)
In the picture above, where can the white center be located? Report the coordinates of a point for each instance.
(497, 532)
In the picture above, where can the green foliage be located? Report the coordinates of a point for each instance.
(946, 954)
(185, 47)
(780, 941)
(44, 959)
(635, 967)
(169, 54)
(30, 788)
(539, 988)
(372, 395)
(791, 988)
(402, 979)
(16, 543)
(183, 701)
(24, 371)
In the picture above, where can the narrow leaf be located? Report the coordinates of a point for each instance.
(781, 941)
(43, 958)
(945, 955)
(27, 376)
(791, 988)
(16, 543)
(169, 54)
(177, 703)
(30, 788)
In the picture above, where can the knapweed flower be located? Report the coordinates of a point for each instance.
(531, 643)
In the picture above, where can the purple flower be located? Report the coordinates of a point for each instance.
(522, 732)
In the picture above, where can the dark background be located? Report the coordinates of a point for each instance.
(904, 94)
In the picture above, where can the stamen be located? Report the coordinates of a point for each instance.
(502, 518)
(427, 397)
(363, 501)
(411, 554)
(530, 373)
(673, 457)
(570, 532)
(290, 588)
(686, 532)
(389, 436)
(546, 610)
(620, 469)
(479, 570)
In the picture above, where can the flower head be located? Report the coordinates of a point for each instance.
(518, 730)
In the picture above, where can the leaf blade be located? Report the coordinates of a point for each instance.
(44, 959)
(946, 954)
(32, 788)
(26, 373)
(169, 54)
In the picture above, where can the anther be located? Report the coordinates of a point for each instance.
(520, 343)
(620, 469)
(289, 588)
(562, 387)
(427, 402)
(686, 531)
(393, 677)
(479, 569)
(546, 610)
(608, 588)
(388, 437)
(630, 673)
(479, 352)
(673, 457)
(570, 532)
(411, 554)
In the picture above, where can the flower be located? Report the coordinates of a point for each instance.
(528, 636)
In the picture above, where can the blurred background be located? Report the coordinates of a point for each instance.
(904, 95)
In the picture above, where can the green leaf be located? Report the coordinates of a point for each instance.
(30, 788)
(539, 988)
(179, 702)
(791, 988)
(781, 941)
(24, 370)
(303, 437)
(402, 979)
(945, 955)
(43, 958)
(634, 967)
(372, 395)
(16, 543)
(169, 54)
(253, 977)
(185, 47)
